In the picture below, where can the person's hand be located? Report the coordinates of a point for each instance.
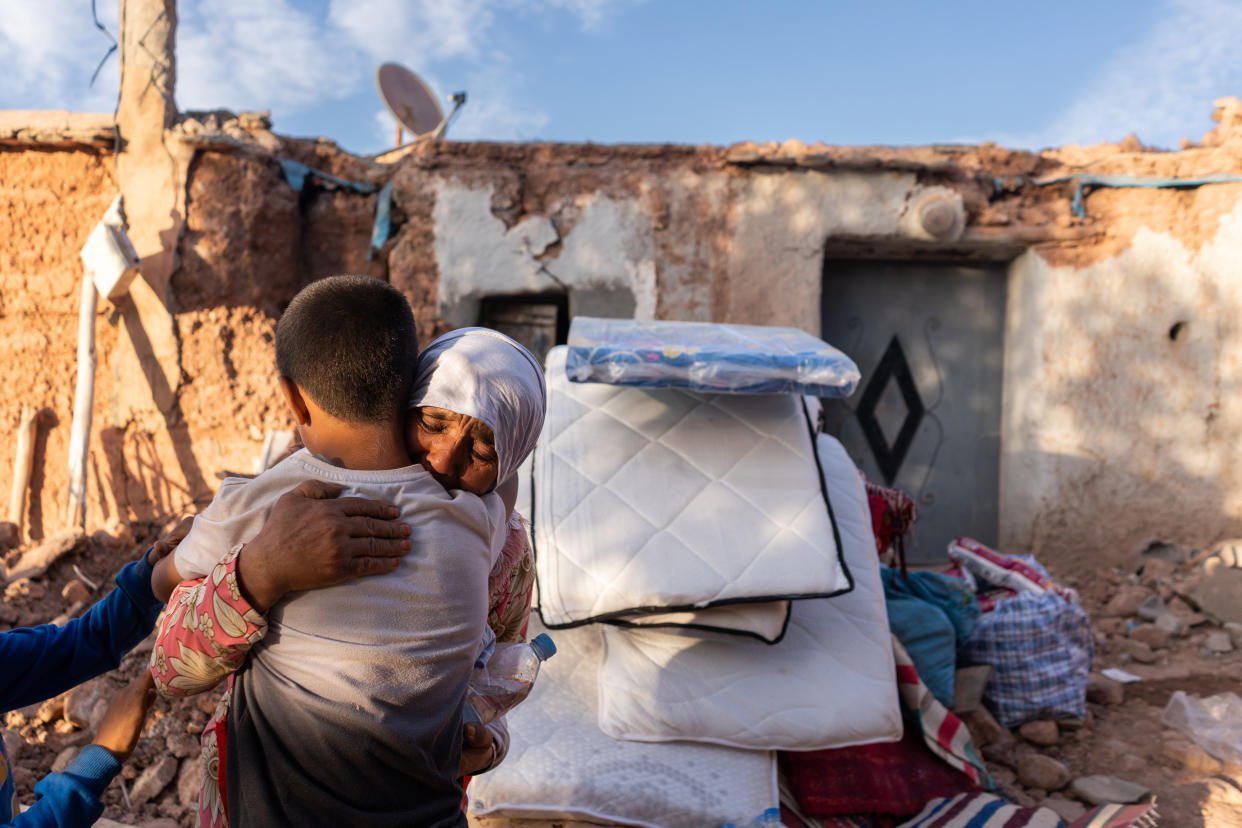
(314, 538)
(478, 750)
(169, 542)
(127, 713)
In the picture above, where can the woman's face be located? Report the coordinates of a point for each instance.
(459, 451)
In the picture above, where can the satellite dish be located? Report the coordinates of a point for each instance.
(410, 101)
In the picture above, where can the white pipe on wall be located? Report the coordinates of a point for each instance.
(83, 403)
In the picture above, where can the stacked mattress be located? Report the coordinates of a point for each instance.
(706, 565)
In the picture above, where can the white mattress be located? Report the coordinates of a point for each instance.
(666, 500)
(562, 766)
(763, 620)
(829, 683)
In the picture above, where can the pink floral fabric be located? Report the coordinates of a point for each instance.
(206, 631)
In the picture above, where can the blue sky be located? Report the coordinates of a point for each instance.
(682, 71)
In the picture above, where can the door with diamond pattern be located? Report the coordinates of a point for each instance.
(929, 341)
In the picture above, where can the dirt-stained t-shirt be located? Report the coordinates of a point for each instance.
(350, 709)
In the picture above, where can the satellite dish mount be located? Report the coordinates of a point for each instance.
(411, 102)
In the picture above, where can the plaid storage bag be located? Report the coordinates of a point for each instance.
(1039, 645)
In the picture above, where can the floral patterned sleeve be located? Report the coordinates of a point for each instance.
(206, 632)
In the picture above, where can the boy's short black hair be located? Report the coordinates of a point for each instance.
(350, 343)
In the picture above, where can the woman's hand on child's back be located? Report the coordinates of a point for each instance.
(127, 713)
(314, 538)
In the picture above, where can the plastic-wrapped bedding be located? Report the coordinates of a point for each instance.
(662, 500)
(562, 766)
(705, 356)
(829, 683)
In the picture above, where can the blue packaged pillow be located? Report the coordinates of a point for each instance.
(706, 356)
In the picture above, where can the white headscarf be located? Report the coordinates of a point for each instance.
(486, 375)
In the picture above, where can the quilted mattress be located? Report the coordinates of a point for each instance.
(762, 621)
(562, 766)
(663, 500)
(830, 682)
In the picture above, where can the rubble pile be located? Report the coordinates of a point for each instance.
(158, 785)
(1172, 620)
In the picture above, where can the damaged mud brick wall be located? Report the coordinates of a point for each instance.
(1121, 419)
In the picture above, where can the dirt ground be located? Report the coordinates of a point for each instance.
(158, 786)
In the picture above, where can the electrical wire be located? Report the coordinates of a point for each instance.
(109, 53)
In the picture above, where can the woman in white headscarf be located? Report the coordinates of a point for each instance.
(476, 410)
(475, 413)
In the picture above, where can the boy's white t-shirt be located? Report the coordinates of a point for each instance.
(389, 653)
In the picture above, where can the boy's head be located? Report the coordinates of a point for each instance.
(350, 344)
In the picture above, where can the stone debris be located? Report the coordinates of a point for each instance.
(1171, 624)
(1153, 609)
(1103, 690)
(182, 745)
(75, 592)
(10, 535)
(14, 744)
(35, 562)
(984, 728)
(189, 780)
(1139, 651)
(1218, 641)
(80, 701)
(1100, 790)
(1042, 772)
(1183, 754)
(1042, 732)
(1151, 635)
(63, 759)
(154, 779)
(1220, 592)
(1126, 601)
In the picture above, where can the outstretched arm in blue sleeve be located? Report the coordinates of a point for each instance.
(38, 663)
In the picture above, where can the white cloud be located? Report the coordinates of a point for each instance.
(591, 13)
(1161, 87)
(386, 129)
(51, 48)
(257, 55)
(494, 109)
(272, 54)
(415, 33)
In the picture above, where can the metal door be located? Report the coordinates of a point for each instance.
(929, 341)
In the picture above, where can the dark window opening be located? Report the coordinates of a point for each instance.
(537, 321)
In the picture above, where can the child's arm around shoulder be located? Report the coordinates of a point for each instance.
(165, 577)
(205, 538)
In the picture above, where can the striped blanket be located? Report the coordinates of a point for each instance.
(943, 732)
(982, 810)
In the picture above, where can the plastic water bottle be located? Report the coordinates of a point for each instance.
(505, 678)
(770, 818)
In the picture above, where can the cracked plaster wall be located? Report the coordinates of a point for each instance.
(1123, 399)
(762, 262)
(605, 265)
